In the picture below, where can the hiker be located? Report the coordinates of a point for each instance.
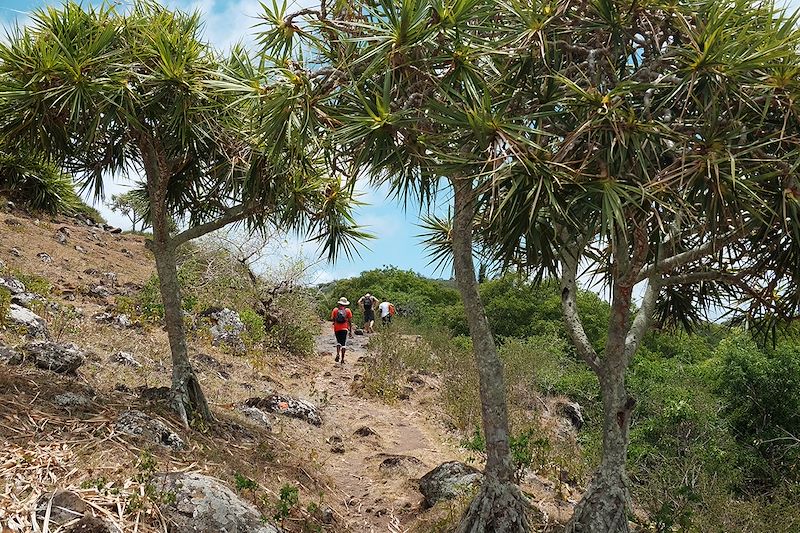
(387, 312)
(368, 304)
(342, 326)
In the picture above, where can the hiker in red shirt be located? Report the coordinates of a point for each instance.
(342, 326)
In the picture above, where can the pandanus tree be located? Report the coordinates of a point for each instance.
(648, 145)
(138, 93)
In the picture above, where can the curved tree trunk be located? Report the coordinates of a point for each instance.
(499, 505)
(188, 398)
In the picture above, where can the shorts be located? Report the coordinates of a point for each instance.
(386, 319)
(341, 337)
(369, 315)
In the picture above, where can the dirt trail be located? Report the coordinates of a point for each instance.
(375, 474)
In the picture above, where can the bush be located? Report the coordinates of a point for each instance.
(297, 323)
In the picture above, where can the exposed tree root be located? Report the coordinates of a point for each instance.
(188, 398)
(498, 507)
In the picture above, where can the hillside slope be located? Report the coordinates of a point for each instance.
(357, 471)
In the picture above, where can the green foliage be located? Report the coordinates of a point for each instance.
(134, 205)
(5, 304)
(297, 324)
(37, 184)
(761, 394)
(254, 326)
(242, 482)
(288, 501)
(33, 283)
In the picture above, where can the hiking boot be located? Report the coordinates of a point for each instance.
(336, 360)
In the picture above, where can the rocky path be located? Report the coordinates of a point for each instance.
(373, 453)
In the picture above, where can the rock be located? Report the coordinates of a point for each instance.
(12, 285)
(11, 205)
(227, 329)
(365, 360)
(155, 394)
(358, 331)
(64, 505)
(13, 221)
(2, 265)
(287, 406)
(80, 249)
(15, 252)
(365, 431)
(61, 235)
(125, 359)
(9, 355)
(405, 392)
(44, 257)
(448, 481)
(336, 442)
(92, 272)
(118, 321)
(71, 400)
(25, 299)
(37, 327)
(257, 415)
(416, 379)
(139, 424)
(92, 524)
(101, 291)
(327, 515)
(60, 358)
(393, 464)
(572, 411)
(202, 504)
(127, 252)
(110, 279)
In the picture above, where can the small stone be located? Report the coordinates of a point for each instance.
(125, 359)
(71, 400)
(13, 221)
(448, 481)
(358, 331)
(25, 299)
(9, 355)
(405, 392)
(110, 279)
(127, 252)
(101, 291)
(15, 252)
(44, 257)
(61, 238)
(92, 524)
(337, 447)
(64, 505)
(365, 431)
(80, 249)
(11, 205)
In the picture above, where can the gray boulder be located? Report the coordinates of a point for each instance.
(60, 358)
(9, 356)
(227, 329)
(36, 326)
(25, 299)
(448, 481)
(572, 411)
(287, 406)
(256, 415)
(139, 424)
(203, 504)
(13, 285)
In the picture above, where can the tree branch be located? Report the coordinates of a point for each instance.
(643, 319)
(234, 214)
(569, 306)
(683, 258)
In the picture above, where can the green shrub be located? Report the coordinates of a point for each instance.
(297, 324)
(254, 326)
(5, 305)
(35, 284)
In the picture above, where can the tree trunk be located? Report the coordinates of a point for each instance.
(188, 398)
(604, 506)
(499, 505)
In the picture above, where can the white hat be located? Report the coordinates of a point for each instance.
(343, 301)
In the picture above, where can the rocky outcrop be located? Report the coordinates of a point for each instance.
(139, 424)
(572, 411)
(202, 504)
(71, 400)
(256, 415)
(34, 324)
(60, 358)
(447, 481)
(116, 320)
(227, 330)
(287, 406)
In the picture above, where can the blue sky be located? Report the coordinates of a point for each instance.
(228, 22)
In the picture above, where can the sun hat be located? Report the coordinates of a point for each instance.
(343, 301)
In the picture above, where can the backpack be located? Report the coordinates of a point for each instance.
(341, 316)
(368, 303)
(391, 310)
